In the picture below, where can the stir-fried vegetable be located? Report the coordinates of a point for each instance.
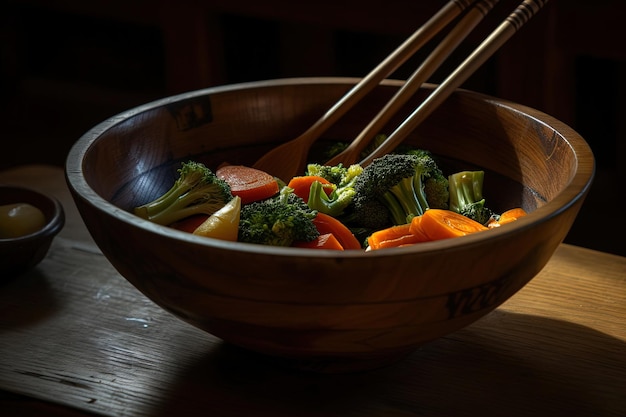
(506, 217)
(436, 224)
(328, 224)
(302, 185)
(466, 195)
(399, 199)
(443, 224)
(277, 221)
(224, 223)
(197, 190)
(250, 184)
(394, 236)
(325, 241)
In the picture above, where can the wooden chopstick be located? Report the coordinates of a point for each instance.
(522, 14)
(451, 10)
(408, 48)
(460, 31)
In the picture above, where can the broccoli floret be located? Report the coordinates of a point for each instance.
(479, 212)
(436, 184)
(333, 174)
(197, 190)
(436, 190)
(342, 180)
(277, 221)
(366, 212)
(364, 216)
(339, 174)
(333, 204)
(397, 180)
(466, 195)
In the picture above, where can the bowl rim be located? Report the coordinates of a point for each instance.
(576, 189)
(53, 225)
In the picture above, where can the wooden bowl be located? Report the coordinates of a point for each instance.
(20, 254)
(328, 310)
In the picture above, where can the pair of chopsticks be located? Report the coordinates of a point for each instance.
(289, 159)
(521, 15)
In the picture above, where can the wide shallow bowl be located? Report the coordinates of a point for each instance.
(328, 310)
(20, 254)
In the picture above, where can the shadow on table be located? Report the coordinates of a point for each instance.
(32, 288)
(480, 369)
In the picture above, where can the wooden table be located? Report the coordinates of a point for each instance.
(76, 339)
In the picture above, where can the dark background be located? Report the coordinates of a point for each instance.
(67, 65)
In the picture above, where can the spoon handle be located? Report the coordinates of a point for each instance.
(408, 48)
(300, 145)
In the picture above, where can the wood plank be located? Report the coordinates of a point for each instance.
(75, 337)
(74, 332)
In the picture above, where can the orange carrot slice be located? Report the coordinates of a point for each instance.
(325, 241)
(250, 184)
(394, 236)
(507, 216)
(416, 229)
(328, 224)
(443, 224)
(302, 185)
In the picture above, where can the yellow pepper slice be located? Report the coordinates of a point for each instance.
(224, 223)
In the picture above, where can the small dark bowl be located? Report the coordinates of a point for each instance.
(20, 254)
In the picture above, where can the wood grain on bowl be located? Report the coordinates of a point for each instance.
(351, 307)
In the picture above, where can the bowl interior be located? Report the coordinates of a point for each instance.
(525, 154)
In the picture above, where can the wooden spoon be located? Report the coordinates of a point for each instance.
(289, 159)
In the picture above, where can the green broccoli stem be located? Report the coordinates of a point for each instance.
(188, 204)
(197, 190)
(283, 195)
(411, 202)
(191, 174)
(466, 187)
(154, 207)
(333, 205)
(398, 215)
(420, 193)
